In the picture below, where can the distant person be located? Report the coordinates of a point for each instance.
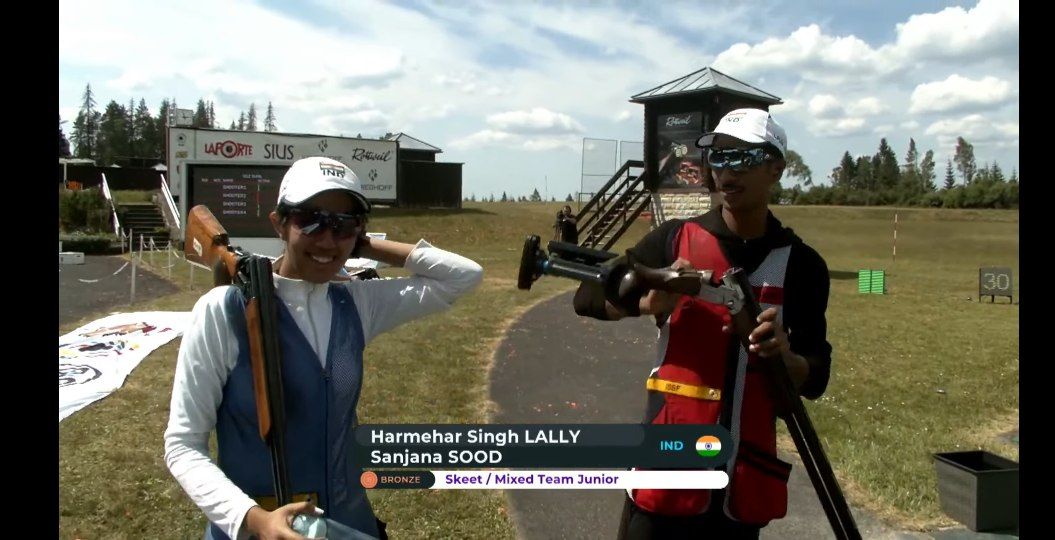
(567, 226)
(324, 323)
(702, 374)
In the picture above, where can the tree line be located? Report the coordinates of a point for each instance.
(120, 134)
(881, 179)
(534, 197)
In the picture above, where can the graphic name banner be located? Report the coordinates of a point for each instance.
(684, 446)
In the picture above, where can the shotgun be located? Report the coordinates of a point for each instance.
(207, 244)
(732, 290)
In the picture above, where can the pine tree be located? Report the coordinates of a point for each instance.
(146, 143)
(995, 174)
(112, 141)
(233, 126)
(241, 121)
(269, 120)
(212, 115)
(910, 171)
(535, 197)
(64, 145)
(569, 199)
(863, 180)
(950, 180)
(504, 197)
(132, 130)
(201, 115)
(86, 126)
(887, 171)
(161, 124)
(1014, 176)
(846, 172)
(251, 121)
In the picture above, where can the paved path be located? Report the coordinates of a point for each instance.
(78, 299)
(556, 367)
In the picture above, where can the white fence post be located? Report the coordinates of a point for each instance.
(133, 300)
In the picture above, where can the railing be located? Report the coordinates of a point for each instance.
(600, 197)
(113, 209)
(626, 205)
(172, 212)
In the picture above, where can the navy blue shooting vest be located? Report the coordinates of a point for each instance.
(320, 415)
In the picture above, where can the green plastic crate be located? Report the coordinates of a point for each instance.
(864, 281)
(871, 281)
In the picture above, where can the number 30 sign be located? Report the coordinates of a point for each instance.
(993, 282)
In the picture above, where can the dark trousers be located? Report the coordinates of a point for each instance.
(638, 524)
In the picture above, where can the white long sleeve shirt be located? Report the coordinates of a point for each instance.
(209, 351)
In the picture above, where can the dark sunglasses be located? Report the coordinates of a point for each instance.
(737, 158)
(312, 221)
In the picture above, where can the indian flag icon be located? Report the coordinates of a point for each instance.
(708, 446)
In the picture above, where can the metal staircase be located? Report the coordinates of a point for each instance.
(614, 207)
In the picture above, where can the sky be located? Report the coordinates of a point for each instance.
(512, 89)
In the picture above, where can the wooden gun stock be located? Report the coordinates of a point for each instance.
(207, 245)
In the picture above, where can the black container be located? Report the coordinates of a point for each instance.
(978, 489)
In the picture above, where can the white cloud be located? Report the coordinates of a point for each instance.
(535, 143)
(429, 112)
(366, 122)
(991, 27)
(487, 137)
(539, 144)
(974, 128)
(815, 55)
(953, 35)
(537, 120)
(790, 105)
(838, 128)
(826, 106)
(868, 106)
(435, 69)
(959, 93)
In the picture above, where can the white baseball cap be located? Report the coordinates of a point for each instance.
(748, 125)
(310, 176)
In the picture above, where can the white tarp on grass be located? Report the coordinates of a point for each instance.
(95, 359)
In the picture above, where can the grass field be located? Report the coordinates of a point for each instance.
(925, 368)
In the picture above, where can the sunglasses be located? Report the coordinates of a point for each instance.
(312, 221)
(737, 158)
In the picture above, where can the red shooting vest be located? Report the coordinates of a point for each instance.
(694, 351)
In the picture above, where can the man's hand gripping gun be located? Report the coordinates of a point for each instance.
(623, 284)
